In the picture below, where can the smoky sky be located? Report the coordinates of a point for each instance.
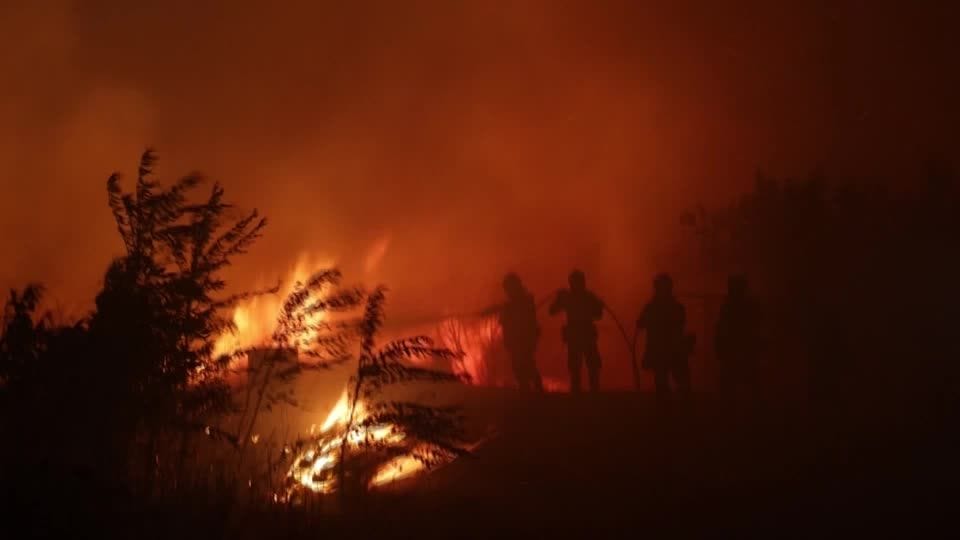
(469, 137)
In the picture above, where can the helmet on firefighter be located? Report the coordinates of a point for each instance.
(512, 284)
(663, 283)
(577, 280)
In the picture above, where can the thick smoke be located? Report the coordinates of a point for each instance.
(450, 141)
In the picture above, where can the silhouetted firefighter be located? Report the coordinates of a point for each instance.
(583, 308)
(668, 348)
(735, 341)
(518, 318)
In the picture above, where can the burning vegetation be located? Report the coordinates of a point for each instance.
(173, 374)
(368, 439)
(316, 466)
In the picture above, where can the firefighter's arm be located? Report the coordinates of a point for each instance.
(557, 305)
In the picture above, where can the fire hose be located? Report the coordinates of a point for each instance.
(631, 345)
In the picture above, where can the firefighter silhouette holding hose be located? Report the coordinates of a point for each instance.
(521, 332)
(582, 308)
(668, 348)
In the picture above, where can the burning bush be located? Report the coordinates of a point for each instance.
(380, 447)
(370, 439)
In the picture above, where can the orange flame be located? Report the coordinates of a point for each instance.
(256, 319)
(314, 468)
(474, 342)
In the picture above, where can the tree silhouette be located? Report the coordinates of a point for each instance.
(21, 340)
(162, 304)
(858, 280)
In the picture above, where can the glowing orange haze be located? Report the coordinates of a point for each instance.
(476, 136)
(433, 146)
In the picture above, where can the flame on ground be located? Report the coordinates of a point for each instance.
(315, 468)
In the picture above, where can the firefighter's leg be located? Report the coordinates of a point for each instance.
(521, 377)
(530, 368)
(593, 366)
(723, 376)
(661, 379)
(681, 378)
(535, 381)
(519, 371)
(574, 359)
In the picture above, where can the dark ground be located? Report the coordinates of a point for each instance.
(611, 464)
(615, 462)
